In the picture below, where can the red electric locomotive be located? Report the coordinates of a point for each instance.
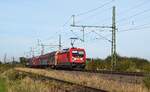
(73, 57)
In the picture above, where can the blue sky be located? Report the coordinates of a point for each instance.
(22, 22)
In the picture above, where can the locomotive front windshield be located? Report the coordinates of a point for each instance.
(77, 53)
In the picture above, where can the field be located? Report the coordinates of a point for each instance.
(15, 81)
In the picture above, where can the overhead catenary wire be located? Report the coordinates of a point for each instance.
(128, 10)
(89, 11)
(67, 21)
(62, 26)
(133, 24)
(138, 25)
(92, 10)
(134, 7)
(54, 36)
(92, 16)
(139, 29)
(76, 35)
(103, 37)
(137, 14)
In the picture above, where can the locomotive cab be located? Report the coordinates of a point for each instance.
(78, 57)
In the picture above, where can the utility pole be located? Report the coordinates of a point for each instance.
(113, 41)
(113, 49)
(27, 54)
(42, 50)
(13, 59)
(60, 43)
(83, 28)
(42, 47)
(5, 58)
(32, 52)
(73, 16)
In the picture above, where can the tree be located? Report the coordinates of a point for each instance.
(23, 60)
(0, 62)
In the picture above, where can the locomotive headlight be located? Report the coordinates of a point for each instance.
(81, 58)
(74, 59)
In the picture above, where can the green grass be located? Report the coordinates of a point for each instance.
(2, 85)
(146, 81)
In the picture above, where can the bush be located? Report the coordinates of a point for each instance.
(124, 64)
(13, 75)
(5, 67)
(95, 64)
(0, 62)
(146, 82)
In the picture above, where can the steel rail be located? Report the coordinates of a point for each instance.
(138, 74)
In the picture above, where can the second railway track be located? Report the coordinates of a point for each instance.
(127, 77)
(138, 74)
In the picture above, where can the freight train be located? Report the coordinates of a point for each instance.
(66, 58)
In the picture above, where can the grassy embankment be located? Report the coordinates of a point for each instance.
(18, 82)
(14, 81)
(3, 85)
(91, 80)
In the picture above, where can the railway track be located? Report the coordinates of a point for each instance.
(123, 77)
(137, 74)
(77, 87)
